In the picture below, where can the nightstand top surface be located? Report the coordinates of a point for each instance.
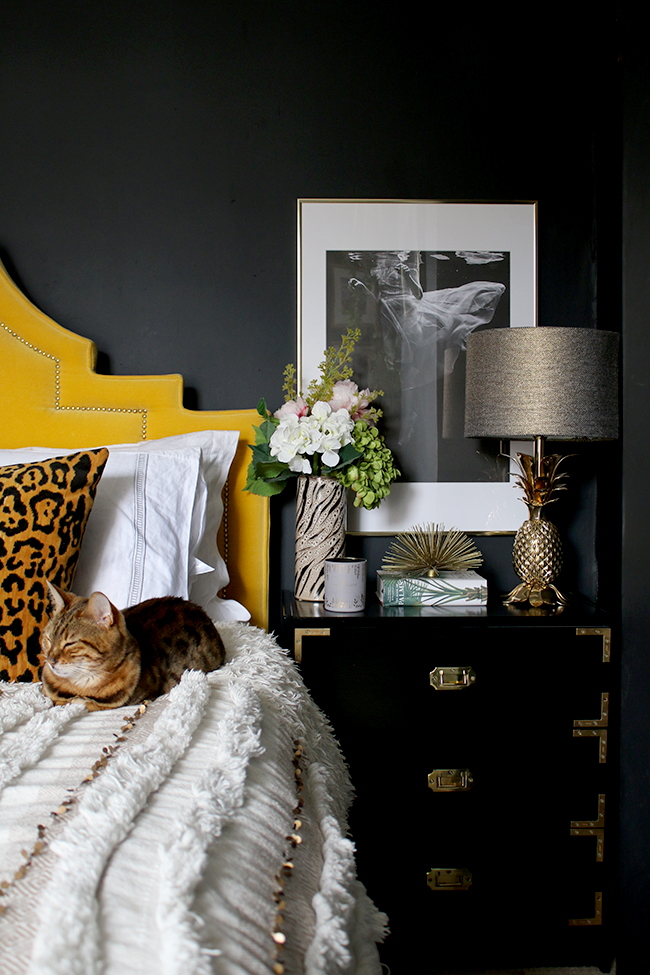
(578, 612)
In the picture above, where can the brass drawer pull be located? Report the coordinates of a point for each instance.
(456, 879)
(450, 780)
(452, 678)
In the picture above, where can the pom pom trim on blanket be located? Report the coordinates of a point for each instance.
(235, 717)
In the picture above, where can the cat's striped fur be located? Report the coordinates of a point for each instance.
(107, 658)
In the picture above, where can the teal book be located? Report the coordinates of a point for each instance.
(466, 588)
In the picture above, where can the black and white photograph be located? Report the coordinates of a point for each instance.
(414, 311)
(416, 279)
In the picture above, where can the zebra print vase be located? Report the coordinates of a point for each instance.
(321, 514)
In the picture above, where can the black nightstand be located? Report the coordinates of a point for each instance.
(482, 748)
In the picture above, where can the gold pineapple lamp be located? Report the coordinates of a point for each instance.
(536, 384)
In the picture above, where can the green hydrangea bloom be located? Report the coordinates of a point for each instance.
(371, 476)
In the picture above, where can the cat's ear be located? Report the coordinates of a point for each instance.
(58, 598)
(100, 609)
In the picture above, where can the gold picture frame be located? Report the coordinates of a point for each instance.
(441, 238)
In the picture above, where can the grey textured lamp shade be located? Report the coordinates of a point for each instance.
(559, 383)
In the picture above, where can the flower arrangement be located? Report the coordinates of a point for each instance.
(331, 431)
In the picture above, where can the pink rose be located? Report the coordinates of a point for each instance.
(345, 396)
(292, 408)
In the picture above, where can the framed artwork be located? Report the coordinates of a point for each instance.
(416, 278)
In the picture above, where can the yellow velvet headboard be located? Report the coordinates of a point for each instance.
(51, 395)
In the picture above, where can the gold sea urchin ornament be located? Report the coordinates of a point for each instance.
(426, 550)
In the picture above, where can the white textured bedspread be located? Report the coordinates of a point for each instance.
(202, 834)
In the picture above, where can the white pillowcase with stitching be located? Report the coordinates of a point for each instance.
(138, 545)
(208, 572)
(153, 527)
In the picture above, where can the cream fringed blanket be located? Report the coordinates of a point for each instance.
(203, 834)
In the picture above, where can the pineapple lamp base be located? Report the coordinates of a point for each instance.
(537, 594)
(537, 551)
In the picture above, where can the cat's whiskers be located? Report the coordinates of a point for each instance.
(85, 680)
(78, 674)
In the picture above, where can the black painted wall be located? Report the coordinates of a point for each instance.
(151, 155)
(635, 754)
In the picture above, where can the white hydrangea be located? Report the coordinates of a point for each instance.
(289, 444)
(322, 432)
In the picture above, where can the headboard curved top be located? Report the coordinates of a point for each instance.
(51, 395)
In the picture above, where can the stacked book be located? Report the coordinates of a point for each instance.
(465, 588)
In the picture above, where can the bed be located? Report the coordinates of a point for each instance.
(205, 831)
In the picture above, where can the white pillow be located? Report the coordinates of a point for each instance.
(139, 541)
(138, 544)
(208, 573)
(175, 484)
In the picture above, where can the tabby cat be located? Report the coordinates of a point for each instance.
(107, 658)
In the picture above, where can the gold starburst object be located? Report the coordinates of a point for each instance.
(426, 550)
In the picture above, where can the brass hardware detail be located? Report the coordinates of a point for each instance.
(592, 823)
(595, 728)
(600, 722)
(591, 921)
(456, 879)
(593, 827)
(300, 632)
(451, 780)
(595, 733)
(606, 634)
(599, 835)
(452, 678)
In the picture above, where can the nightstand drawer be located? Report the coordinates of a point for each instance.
(508, 858)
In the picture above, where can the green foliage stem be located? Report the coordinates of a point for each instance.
(289, 384)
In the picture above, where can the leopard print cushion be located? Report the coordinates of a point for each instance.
(44, 507)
